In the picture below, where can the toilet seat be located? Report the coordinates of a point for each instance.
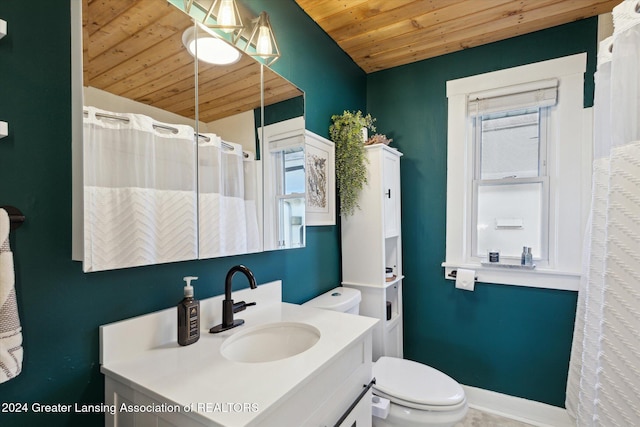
(415, 385)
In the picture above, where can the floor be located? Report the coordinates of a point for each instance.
(477, 418)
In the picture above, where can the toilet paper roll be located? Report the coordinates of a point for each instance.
(465, 279)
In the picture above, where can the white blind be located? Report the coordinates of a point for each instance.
(543, 93)
(284, 141)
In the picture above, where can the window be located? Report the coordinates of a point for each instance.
(519, 156)
(510, 184)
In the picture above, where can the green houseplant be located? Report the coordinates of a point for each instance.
(351, 161)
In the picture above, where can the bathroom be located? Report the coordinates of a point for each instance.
(508, 339)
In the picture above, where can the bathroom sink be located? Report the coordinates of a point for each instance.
(270, 342)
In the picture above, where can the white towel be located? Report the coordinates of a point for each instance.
(10, 329)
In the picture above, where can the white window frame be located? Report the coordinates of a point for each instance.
(569, 153)
(273, 140)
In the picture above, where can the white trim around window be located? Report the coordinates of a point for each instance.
(569, 170)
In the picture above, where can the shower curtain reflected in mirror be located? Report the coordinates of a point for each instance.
(140, 200)
(228, 192)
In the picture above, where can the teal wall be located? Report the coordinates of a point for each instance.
(60, 307)
(509, 339)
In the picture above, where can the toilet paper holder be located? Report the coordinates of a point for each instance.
(454, 273)
(380, 407)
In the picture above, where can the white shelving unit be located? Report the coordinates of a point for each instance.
(371, 243)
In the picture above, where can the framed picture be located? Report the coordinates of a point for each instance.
(321, 180)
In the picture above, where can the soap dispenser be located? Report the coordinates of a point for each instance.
(188, 315)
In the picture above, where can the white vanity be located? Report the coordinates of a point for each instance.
(151, 380)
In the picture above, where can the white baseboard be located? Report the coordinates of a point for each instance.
(516, 408)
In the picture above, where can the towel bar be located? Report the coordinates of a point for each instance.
(15, 216)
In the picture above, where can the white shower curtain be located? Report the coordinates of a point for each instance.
(228, 223)
(603, 388)
(252, 192)
(140, 196)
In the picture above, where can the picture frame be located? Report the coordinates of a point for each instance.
(320, 180)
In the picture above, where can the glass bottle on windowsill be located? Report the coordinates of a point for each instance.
(528, 258)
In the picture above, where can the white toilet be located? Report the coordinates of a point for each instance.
(419, 394)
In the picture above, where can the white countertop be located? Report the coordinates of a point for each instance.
(148, 358)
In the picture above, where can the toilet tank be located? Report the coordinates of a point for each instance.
(345, 300)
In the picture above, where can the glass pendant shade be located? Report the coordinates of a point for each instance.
(263, 46)
(226, 15)
(264, 41)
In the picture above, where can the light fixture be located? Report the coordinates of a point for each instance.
(227, 16)
(263, 39)
(209, 48)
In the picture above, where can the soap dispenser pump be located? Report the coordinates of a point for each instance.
(188, 315)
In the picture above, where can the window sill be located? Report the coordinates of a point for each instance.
(535, 278)
(505, 265)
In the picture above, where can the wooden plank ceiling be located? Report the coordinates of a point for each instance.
(380, 34)
(133, 48)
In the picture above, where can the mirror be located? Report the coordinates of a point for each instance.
(135, 63)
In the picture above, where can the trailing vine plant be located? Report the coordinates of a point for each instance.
(351, 161)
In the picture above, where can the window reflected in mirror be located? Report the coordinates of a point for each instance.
(284, 184)
(291, 196)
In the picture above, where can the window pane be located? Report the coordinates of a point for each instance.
(510, 217)
(510, 145)
(291, 215)
(294, 171)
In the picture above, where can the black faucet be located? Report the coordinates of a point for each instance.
(228, 307)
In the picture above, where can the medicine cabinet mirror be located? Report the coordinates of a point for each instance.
(135, 66)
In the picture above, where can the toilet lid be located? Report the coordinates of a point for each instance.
(416, 383)
(339, 299)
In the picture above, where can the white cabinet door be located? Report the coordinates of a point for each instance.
(391, 189)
